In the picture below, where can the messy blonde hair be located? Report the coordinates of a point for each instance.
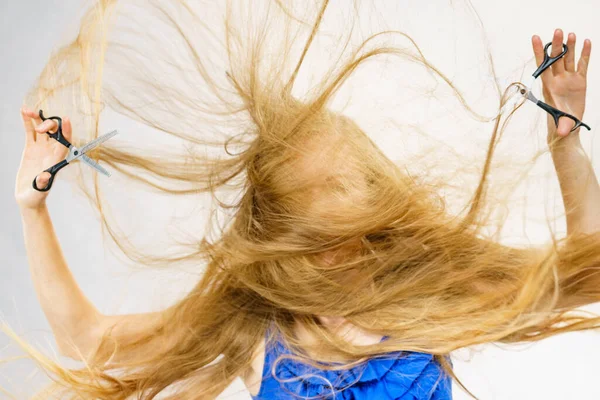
(310, 181)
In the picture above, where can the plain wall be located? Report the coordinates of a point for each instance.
(563, 367)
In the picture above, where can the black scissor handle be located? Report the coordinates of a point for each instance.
(556, 114)
(52, 170)
(58, 135)
(548, 61)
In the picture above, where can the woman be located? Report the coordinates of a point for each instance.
(340, 274)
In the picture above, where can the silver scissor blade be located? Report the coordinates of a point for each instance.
(529, 95)
(98, 141)
(94, 165)
(529, 89)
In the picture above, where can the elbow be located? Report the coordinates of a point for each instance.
(81, 341)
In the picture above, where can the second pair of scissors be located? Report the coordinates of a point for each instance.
(527, 93)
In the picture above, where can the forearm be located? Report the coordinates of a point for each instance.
(68, 311)
(578, 183)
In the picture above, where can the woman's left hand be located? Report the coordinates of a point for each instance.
(564, 87)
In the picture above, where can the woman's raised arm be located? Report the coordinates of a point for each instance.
(77, 325)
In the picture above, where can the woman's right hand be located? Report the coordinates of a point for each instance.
(564, 86)
(40, 153)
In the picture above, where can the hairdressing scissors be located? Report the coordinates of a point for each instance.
(74, 152)
(526, 91)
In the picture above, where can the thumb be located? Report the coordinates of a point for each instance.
(41, 181)
(564, 126)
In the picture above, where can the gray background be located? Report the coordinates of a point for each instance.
(557, 368)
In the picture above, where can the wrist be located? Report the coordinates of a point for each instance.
(29, 211)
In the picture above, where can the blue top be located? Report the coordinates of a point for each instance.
(404, 375)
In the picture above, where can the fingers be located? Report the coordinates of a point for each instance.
(32, 115)
(48, 125)
(557, 48)
(42, 127)
(584, 60)
(67, 128)
(568, 63)
(538, 51)
(30, 134)
(570, 56)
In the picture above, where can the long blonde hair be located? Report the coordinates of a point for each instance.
(309, 181)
